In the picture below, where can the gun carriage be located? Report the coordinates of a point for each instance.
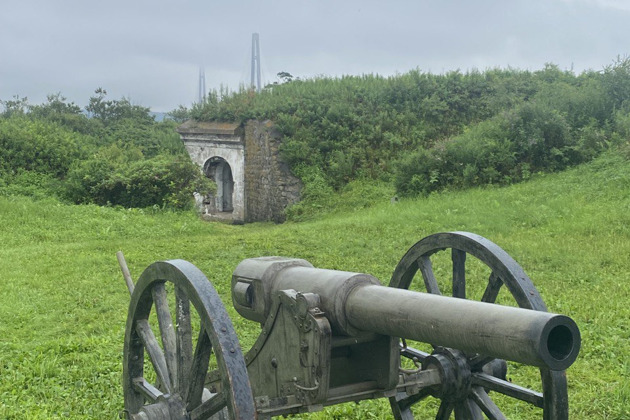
(329, 337)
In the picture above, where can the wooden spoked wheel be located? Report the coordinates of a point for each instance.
(469, 398)
(170, 385)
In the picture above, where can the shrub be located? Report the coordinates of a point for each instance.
(420, 172)
(165, 181)
(39, 146)
(31, 184)
(541, 137)
(504, 149)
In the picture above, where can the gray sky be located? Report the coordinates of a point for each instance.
(151, 51)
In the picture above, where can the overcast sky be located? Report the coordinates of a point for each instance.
(151, 51)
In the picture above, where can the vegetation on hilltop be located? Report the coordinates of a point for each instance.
(410, 134)
(428, 132)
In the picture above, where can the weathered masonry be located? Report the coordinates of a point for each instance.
(253, 183)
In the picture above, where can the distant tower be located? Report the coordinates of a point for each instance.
(202, 85)
(255, 62)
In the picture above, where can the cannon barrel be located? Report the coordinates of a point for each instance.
(356, 304)
(535, 338)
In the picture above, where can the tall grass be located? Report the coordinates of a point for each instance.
(63, 303)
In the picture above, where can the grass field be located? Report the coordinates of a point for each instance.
(63, 303)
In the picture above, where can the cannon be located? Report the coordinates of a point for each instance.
(329, 337)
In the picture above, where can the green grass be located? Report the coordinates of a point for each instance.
(63, 303)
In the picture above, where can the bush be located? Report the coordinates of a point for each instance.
(357, 194)
(420, 172)
(504, 149)
(31, 184)
(164, 181)
(541, 137)
(38, 146)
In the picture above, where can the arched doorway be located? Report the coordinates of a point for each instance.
(219, 170)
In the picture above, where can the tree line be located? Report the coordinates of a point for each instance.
(110, 153)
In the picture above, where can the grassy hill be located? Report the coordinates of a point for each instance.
(63, 303)
(429, 132)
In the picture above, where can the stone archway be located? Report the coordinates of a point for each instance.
(217, 169)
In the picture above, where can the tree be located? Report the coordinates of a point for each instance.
(180, 114)
(17, 106)
(285, 76)
(58, 109)
(55, 105)
(112, 111)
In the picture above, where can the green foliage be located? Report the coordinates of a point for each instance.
(415, 125)
(119, 156)
(38, 145)
(501, 150)
(616, 82)
(108, 110)
(535, 136)
(14, 107)
(68, 115)
(354, 127)
(55, 106)
(114, 177)
(33, 184)
(180, 114)
(319, 199)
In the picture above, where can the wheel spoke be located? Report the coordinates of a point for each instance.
(407, 402)
(167, 331)
(215, 404)
(426, 268)
(468, 410)
(492, 290)
(148, 391)
(445, 410)
(459, 273)
(508, 388)
(155, 352)
(400, 414)
(490, 409)
(556, 401)
(197, 306)
(199, 369)
(184, 341)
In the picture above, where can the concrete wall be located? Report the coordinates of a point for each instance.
(269, 185)
(204, 141)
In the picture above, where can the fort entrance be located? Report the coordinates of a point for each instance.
(253, 183)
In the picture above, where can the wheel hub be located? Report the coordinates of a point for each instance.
(455, 372)
(167, 407)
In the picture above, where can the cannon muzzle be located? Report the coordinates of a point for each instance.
(356, 304)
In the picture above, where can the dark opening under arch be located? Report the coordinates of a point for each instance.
(219, 170)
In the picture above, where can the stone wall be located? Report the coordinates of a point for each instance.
(269, 185)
